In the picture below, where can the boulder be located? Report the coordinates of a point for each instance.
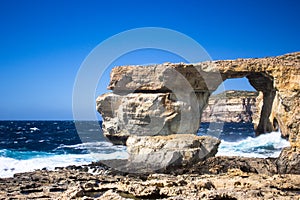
(162, 152)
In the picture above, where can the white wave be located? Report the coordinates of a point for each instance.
(34, 129)
(88, 144)
(263, 146)
(95, 146)
(10, 166)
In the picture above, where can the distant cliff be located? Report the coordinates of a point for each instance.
(232, 106)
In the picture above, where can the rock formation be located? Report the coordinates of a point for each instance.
(163, 152)
(146, 114)
(276, 77)
(232, 106)
(170, 98)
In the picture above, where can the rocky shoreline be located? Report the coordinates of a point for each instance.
(215, 178)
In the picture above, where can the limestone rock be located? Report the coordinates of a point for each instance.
(165, 77)
(170, 98)
(236, 182)
(161, 152)
(222, 164)
(289, 161)
(148, 114)
(111, 195)
(276, 77)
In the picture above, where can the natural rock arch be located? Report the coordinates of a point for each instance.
(265, 85)
(147, 90)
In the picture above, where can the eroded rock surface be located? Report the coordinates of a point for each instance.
(288, 161)
(162, 152)
(276, 77)
(187, 88)
(148, 114)
(231, 178)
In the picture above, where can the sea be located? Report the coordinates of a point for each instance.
(30, 145)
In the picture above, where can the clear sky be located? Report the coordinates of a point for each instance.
(44, 42)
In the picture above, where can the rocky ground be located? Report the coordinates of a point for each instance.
(214, 178)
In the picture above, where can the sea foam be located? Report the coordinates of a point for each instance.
(263, 146)
(10, 163)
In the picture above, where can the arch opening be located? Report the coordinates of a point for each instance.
(264, 84)
(247, 114)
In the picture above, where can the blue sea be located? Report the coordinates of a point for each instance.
(29, 145)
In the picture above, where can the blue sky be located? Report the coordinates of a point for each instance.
(43, 43)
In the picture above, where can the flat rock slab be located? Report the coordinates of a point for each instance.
(166, 77)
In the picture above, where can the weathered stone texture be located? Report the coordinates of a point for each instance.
(276, 77)
(170, 98)
(149, 114)
(157, 152)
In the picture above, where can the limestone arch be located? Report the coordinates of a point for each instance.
(264, 84)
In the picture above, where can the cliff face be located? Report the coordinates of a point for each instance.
(232, 106)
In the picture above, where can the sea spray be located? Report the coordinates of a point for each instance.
(263, 146)
(30, 161)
